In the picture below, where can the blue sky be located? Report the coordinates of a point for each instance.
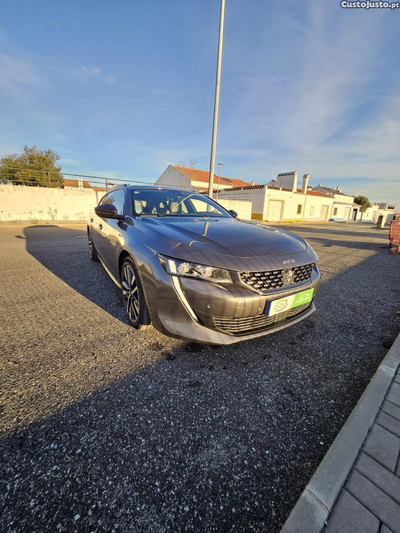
(115, 86)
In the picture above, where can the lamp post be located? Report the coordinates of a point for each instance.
(216, 101)
(219, 176)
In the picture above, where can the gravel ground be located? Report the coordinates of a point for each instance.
(107, 429)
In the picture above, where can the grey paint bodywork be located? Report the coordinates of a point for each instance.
(227, 243)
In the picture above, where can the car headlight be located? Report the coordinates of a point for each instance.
(194, 270)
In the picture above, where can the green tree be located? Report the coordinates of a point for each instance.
(363, 202)
(33, 167)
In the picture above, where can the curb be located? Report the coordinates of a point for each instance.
(312, 509)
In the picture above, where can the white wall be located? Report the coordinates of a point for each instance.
(260, 197)
(290, 202)
(255, 197)
(18, 203)
(344, 198)
(313, 208)
(61, 205)
(172, 176)
(242, 208)
(342, 214)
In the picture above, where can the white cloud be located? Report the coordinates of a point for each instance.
(16, 75)
(86, 74)
(325, 113)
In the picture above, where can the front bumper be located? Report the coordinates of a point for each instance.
(203, 312)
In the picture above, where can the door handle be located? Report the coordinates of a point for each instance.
(100, 226)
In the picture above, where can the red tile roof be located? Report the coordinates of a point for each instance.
(317, 193)
(76, 183)
(246, 188)
(202, 175)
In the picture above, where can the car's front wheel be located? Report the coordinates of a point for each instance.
(134, 300)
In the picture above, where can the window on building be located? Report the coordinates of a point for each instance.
(334, 211)
(299, 209)
(311, 210)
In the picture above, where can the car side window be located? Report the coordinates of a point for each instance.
(104, 200)
(115, 198)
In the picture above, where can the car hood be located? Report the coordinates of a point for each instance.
(227, 242)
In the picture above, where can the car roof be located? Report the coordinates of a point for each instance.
(154, 187)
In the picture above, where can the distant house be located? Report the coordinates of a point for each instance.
(283, 204)
(343, 209)
(282, 201)
(188, 177)
(373, 213)
(76, 184)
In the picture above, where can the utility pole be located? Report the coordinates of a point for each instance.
(216, 102)
(219, 176)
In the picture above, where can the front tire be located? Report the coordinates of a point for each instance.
(133, 295)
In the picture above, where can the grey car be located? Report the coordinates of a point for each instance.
(195, 271)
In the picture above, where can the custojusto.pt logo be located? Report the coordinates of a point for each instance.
(369, 5)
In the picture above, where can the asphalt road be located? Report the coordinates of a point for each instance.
(107, 429)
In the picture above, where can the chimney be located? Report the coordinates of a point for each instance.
(253, 183)
(304, 187)
(294, 188)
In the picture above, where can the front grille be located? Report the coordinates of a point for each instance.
(274, 279)
(252, 324)
(235, 326)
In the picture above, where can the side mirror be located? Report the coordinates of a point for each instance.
(107, 211)
(233, 213)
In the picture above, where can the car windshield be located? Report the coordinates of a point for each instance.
(164, 202)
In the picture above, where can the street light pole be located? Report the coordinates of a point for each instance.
(219, 176)
(216, 102)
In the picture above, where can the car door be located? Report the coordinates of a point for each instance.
(112, 232)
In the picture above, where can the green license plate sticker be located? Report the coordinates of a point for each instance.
(294, 300)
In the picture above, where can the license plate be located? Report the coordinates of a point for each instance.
(289, 302)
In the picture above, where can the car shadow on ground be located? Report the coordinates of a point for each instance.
(64, 251)
(202, 438)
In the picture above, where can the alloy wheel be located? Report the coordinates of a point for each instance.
(130, 292)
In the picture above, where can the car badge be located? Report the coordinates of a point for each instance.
(287, 277)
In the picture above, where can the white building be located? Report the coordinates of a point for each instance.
(343, 209)
(187, 177)
(373, 213)
(280, 200)
(284, 204)
(193, 178)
